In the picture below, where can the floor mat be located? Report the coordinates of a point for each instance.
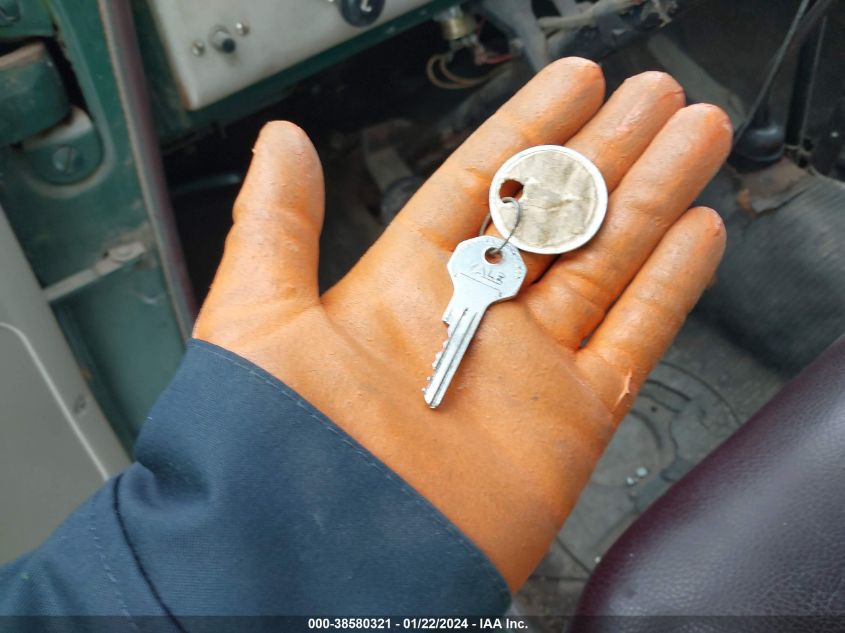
(781, 289)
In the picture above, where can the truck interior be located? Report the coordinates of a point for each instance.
(126, 129)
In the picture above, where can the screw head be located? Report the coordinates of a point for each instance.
(242, 28)
(198, 48)
(65, 159)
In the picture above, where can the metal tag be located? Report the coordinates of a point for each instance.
(563, 197)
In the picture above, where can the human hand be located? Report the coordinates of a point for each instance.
(525, 420)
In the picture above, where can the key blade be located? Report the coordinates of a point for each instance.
(478, 283)
(446, 364)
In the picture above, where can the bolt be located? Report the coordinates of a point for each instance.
(641, 472)
(242, 28)
(65, 159)
(630, 481)
(198, 48)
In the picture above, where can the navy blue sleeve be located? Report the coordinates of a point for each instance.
(246, 500)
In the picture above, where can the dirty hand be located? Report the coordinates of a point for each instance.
(533, 405)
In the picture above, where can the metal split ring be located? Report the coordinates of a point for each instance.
(487, 219)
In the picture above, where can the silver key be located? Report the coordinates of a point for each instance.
(478, 284)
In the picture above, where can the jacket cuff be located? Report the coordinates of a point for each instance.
(245, 499)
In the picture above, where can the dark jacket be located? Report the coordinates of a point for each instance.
(246, 500)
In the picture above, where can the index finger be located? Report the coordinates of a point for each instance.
(549, 109)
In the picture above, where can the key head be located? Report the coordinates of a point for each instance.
(480, 276)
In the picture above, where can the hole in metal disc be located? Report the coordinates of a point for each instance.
(510, 189)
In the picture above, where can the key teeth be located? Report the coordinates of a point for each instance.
(437, 358)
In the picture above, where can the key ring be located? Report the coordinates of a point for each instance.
(486, 223)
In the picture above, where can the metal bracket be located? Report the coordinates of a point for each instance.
(114, 259)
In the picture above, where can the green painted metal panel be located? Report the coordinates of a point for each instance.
(68, 152)
(123, 328)
(32, 97)
(24, 18)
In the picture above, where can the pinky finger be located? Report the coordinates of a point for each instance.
(644, 321)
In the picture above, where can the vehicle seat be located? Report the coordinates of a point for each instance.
(757, 528)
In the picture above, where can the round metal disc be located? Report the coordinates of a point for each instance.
(563, 197)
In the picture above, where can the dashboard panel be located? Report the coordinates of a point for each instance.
(217, 47)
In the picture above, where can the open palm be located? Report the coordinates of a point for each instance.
(550, 373)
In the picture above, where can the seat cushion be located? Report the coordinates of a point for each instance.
(757, 528)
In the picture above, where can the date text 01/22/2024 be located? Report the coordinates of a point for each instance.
(418, 624)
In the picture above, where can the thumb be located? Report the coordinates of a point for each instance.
(269, 265)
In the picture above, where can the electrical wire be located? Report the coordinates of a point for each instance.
(494, 60)
(469, 82)
(481, 54)
(434, 79)
(452, 80)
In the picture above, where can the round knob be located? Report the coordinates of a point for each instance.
(223, 41)
(361, 12)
